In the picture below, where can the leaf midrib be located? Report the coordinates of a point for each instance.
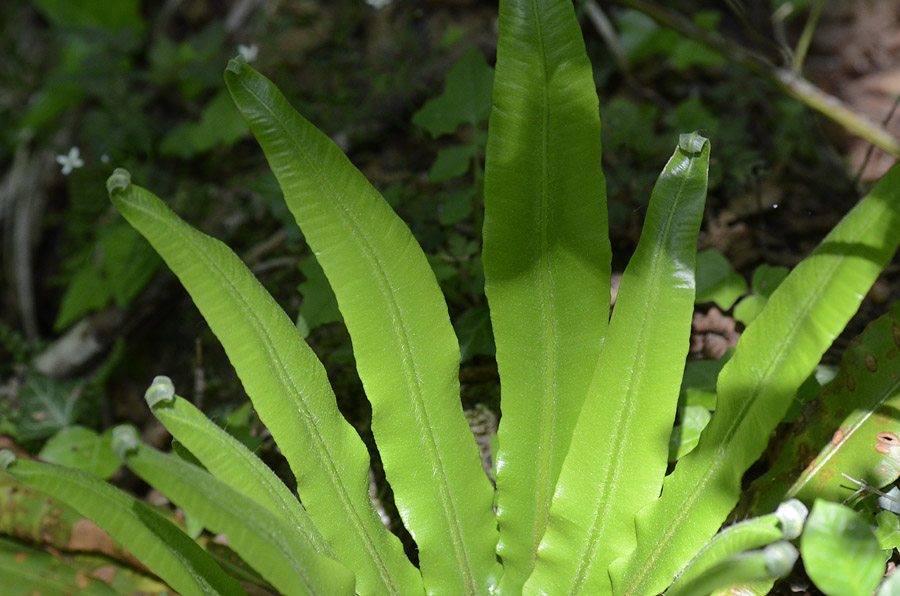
(124, 510)
(869, 412)
(722, 449)
(261, 478)
(411, 371)
(260, 528)
(547, 423)
(288, 385)
(598, 522)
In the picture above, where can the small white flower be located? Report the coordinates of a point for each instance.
(248, 52)
(378, 4)
(104, 158)
(71, 161)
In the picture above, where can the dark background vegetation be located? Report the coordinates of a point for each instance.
(89, 315)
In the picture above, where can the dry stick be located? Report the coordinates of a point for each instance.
(607, 32)
(865, 487)
(795, 86)
(601, 23)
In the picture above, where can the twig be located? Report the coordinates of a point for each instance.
(797, 87)
(605, 28)
(806, 36)
(601, 23)
(863, 487)
(871, 149)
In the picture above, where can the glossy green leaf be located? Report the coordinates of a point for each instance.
(546, 259)
(220, 125)
(888, 530)
(772, 359)
(686, 52)
(241, 423)
(473, 327)
(765, 279)
(686, 434)
(466, 98)
(288, 386)
(82, 448)
(618, 455)
(451, 162)
(457, 206)
(785, 524)
(48, 405)
(406, 353)
(850, 428)
(229, 460)
(319, 305)
(698, 386)
(840, 552)
(285, 558)
(85, 292)
(749, 308)
(810, 389)
(129, 262)
(774, 561)
(28, 572)
(154, 540)
(717, 280)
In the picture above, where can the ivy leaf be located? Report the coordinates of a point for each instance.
(86, 292)
(473, 328)
(686, 435)
(840, 551)
(687, 53)
(220, 125)
(450, 163)
(466, 98)
(128, 262)
(319, 305)
(698, 386)
(82, 448)
(239, 425)
(457, 206)
(765, 279)
(717, 281)
(888, 530)
(48, 405)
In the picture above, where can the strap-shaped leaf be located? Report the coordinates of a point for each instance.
(154, 540)
(229, 460)
(405, 349)
(546, 259)
(282, 556)
(771, 562)
(776, 353)
(619, 451)
(289, 388)
(29, 571)
(850, 428)
(785, 524)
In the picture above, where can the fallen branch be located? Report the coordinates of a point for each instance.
(789, 82)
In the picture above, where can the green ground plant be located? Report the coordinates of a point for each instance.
(583, 503)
